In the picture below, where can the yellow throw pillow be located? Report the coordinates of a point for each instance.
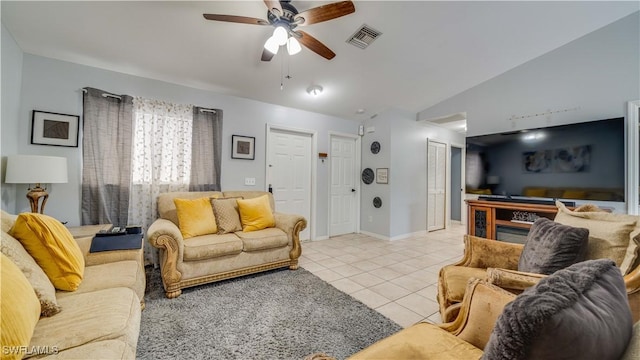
(20, 310)
(255, 214)
(195, 217)
(52, 246)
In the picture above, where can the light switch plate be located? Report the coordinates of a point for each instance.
(250, 181)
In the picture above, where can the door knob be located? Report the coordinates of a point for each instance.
(353, 190)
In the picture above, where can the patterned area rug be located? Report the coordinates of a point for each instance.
(280, 314)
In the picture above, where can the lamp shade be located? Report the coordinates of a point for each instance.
(280, 35)
(272, 45)
(293, 46)
(35, 169)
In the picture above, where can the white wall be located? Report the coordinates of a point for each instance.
(10, 95)
(409, 161)
(404, 151)
(597, 74)
(376, 221)
(52, 85)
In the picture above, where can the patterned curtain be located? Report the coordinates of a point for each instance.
(161, 160)
(106, 157)
(206, 145)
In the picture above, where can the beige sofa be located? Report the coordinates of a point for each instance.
(101, 319)
(207, 258)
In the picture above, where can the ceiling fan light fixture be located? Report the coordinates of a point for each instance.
(293, 46)
(280, 35)
(314, 90)
(272, 45)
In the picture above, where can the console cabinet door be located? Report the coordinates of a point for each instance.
(481, 222)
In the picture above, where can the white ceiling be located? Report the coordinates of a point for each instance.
(429, 51)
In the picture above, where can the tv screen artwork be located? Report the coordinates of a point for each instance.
(578, 161)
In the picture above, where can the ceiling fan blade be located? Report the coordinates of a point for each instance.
(316, 46)
(324, 13)
(236, 19)
(267, 55)
(274, 5)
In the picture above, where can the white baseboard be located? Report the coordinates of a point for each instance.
(406, 236)
(374, 235)
(318, 238)
(397, 237)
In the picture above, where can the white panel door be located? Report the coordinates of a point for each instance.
(290, 173)
(343, 211)
(436, 185)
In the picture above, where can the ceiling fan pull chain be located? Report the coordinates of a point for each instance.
(281, 73)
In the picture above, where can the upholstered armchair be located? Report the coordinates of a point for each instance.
(583, 305)
(461, 339)
(613, 236)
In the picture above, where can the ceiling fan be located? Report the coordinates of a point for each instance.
(286, 18)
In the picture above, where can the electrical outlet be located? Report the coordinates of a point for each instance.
(370, 218)
(250, 181)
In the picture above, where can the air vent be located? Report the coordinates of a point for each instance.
(364, 36)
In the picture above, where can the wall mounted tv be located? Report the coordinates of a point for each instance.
(583, 161)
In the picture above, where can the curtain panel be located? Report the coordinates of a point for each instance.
(106, 157)
(161, 160)
(206, 147)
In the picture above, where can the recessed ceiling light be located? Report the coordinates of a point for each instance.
(360, 111)
(314, 90)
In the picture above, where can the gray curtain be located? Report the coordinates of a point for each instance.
(106, 157)
(206, 149)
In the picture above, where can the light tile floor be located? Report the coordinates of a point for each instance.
(396, 278)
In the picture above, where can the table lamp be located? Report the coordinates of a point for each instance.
(36, 169)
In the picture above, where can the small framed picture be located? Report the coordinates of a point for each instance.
(55, 129)
(382, 175)
(243, 147)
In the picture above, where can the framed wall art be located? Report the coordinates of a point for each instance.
(382, 175)
(54, 129)
(243, 147)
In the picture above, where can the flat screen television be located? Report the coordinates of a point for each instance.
(582, 161)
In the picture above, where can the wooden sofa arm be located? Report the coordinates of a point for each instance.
(484, 253)
(165, 235)
(292, 225)
(161, 229)
(105, 257)
(480, 308)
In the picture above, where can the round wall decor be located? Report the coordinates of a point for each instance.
(368, 176)
(377, 202)
(375, 147)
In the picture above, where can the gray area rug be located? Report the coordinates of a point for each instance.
(280, 314)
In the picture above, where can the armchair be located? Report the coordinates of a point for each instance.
(617, 237)
(464, 338)
(569, 307)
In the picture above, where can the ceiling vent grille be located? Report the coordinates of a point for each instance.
(364, 36)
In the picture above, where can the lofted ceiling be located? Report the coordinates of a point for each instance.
(428, 51)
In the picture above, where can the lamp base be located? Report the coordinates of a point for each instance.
(34, 195)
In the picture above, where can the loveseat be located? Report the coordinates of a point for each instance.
(100, 319)
(229, 251)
